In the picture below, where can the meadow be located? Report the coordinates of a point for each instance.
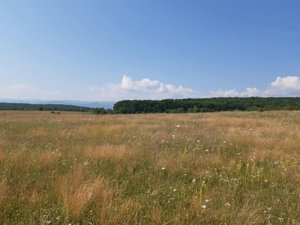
(205, 168)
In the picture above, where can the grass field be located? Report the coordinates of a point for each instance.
(213, 168)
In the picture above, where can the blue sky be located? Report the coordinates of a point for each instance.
(135, 49)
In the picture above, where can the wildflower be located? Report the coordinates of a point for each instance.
(280, 219)
(203, 206)
(177, 125)
(207, 200)
(194, 180)
(86, 163)
(198, 141)
(227, 204)
(206, 150)
(163, 168)
(174, 189)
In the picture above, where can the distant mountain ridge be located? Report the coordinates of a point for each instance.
(87, 104)
(42, 107)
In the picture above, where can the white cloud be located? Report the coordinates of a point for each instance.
(286, 83)
(140, 89)
(285, 86)
(281, 86)
(250, 92)
(146, 88)
(128, 84)
(225, 93)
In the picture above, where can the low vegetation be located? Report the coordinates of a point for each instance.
(213, 168)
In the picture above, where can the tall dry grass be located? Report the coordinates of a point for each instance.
(212, 168)
(107, 151)
(3, 190)
(77, 193)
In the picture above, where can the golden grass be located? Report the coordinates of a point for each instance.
(107, 151)
(3, 190)
(76, 193)
(48, 158)
(211, 168)
(2, 156)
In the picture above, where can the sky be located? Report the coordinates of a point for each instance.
(109, 50)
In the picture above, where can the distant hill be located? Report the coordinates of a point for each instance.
(41, 107)
(106, 105)
(88, 104)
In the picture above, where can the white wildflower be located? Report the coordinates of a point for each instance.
(227, 204)
(86, 163)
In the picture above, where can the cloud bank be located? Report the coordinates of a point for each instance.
(146, 88)
(280, 87)
(141, 89)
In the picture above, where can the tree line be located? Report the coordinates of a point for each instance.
(190, 105)
(207, 105)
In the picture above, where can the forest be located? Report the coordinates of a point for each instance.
(207, 105)
(189, 105)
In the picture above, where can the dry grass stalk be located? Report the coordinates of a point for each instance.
(76, 193)
(2, 156)
(104, 199)
(47, 158)
(3, 190)
(106, 152)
